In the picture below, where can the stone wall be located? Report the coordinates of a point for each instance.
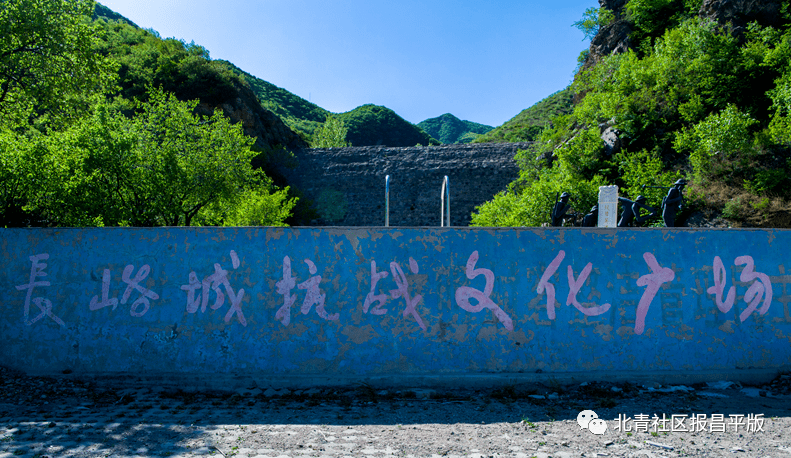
(347, 185)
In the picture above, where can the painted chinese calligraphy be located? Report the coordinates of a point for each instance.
(284, 288)
(214, 282)
(131, 283)
(757, 297)
(757, 290)
(313, 295)
(372, 296)
(652, 281)
(403, 290)
(44, 305)
(574, 288)
(464, 293)
(549, 287)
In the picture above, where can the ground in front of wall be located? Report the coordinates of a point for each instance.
(43, 417)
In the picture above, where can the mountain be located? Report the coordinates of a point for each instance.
(106, 13)
(450, 129)
(376, 125)
(367, 125)
(272, 114)
(185, 69)
(296, 112)
(696, 93)
(526, 126)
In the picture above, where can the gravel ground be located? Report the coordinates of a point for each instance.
(45, 417)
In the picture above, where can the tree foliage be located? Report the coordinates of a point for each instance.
(592, 20)
(164, 167)
(299, 114)
(47, 63)
(74, 152)
(691, 99)
(331, 134)
(528, 124)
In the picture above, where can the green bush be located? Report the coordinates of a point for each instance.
(530, 204)
(719, 143)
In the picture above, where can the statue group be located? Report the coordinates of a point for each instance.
(633, 210)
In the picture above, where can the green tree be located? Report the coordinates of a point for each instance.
(47, 62)
(592, 20)
(260, 205)
(18, 156)
(332, 134)
(164, 167)
(719, 143)
(529, 200)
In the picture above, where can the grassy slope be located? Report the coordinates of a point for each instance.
(526, 126)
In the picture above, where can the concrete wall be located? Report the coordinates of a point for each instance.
(303, 306)
(347, 185)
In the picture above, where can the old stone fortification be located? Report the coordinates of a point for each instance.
(347, 185)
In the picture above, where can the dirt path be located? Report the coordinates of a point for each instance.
(54, 418)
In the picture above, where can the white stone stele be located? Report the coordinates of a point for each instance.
(608, 206)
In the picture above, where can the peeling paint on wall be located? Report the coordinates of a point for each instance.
(378, 301)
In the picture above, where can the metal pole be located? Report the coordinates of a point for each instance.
(444, 211)
(387, 201)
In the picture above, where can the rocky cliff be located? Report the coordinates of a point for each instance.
(269, 130)
(614, 37)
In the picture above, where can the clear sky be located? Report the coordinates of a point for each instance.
(482, 61)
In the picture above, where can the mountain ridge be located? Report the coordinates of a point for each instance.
(447, 128)
(528, 124)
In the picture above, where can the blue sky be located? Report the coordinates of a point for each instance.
(483, 61)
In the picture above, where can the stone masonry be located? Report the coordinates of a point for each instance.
(347, 185)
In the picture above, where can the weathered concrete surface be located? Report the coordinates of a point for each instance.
(453, 304)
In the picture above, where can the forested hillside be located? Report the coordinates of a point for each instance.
(450, 129)
(670, 89)
(302, 116)
(187, 70)
(105, 124)
(528, 124)
(376, 125)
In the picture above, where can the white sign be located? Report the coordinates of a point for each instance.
(608, 206)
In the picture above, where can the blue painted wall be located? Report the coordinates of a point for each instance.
(470, 301)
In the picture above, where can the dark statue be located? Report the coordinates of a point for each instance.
(672, 202)
(592, 218)
(558, 213)
(632, 212)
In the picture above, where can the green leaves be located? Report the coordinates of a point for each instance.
(47, 63)
(331, 134)
(644, 168)
(718, 140)
(592, 20)
(528, 124)
(377, 125)
(164, 167)
(690, 98)
(529, 203)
